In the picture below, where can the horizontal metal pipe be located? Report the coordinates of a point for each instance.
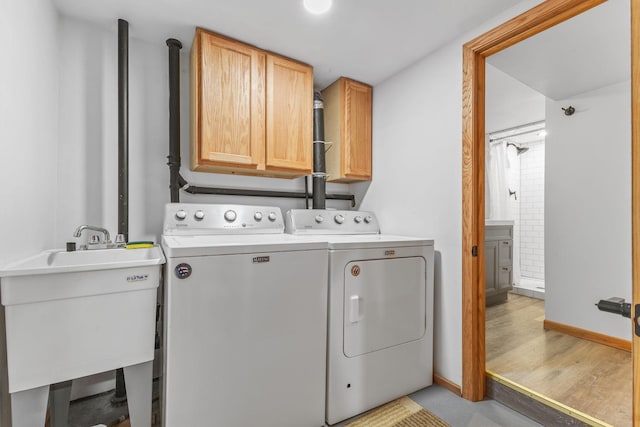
(194, 189)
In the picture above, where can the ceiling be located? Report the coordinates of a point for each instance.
(587, 52)
(367, 40)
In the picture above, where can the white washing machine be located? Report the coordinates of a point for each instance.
(380, 333)
(245, 310)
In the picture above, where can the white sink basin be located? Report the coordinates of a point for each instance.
(60, 261)
(73, 314)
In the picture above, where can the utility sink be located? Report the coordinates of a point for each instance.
(72, 314)
(60, 261)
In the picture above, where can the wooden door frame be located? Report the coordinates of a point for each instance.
(532, 22)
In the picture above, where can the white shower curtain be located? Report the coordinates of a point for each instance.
(497, 188)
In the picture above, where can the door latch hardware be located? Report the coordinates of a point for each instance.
(474, 251)
(636, 319)
(615, 305)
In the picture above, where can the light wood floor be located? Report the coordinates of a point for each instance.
(592, 378)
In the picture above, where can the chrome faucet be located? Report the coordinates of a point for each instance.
(104, 231)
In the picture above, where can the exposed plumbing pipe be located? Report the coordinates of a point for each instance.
(319, 164)
(174, 120)
(120, 395)
(123, 128)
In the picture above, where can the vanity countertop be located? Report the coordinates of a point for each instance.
(489, 222)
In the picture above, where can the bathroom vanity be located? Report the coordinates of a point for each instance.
(498, 252)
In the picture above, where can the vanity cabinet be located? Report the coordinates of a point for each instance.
(251, 110)
(498, 252)
(347, 115)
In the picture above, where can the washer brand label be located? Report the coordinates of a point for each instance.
(260, 259)
(183, 270)
(355, 270)
(390, 252)
(137, 277)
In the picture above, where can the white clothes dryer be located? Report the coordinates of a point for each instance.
(380, 325)
(245, 309)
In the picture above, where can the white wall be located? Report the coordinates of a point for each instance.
(29, 129)
(588, 208)
(416, 189)
(509, 102)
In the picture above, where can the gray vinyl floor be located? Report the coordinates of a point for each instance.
(462, 413)
(441, 402)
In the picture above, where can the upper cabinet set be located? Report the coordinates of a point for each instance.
(252, 114)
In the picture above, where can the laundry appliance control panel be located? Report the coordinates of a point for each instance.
(202, 219)
(323, 221)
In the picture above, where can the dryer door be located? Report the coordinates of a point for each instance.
(384, 303)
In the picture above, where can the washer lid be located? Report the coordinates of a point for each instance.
(182, 246)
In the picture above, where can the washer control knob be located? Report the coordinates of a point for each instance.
(257, 216)
(230, 215)
(199, 215)
(181, 215)
(368, 219)
(272, 216)
(319, 219)
(358, 219)
(339, 219)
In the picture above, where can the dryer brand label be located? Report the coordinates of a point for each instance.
(390, 252)
(183, 270)
(355, 270)
(260, 259)
(137, 277)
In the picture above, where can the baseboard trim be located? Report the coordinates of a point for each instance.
(610, 341)
(449, 385)
(536, 406)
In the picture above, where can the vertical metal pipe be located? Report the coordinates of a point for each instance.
(123, 128)
(123, 161)
(319, 164)
(174, 118)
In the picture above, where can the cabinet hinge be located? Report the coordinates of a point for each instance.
(474, 251)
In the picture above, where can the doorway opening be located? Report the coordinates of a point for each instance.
(535, 21)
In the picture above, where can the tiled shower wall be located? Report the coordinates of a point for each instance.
(513, 176)
(532, 211)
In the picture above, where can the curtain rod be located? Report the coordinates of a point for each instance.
(539, 123)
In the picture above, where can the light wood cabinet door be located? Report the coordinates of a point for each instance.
(289, 142)
(228, 104)
(357, 130)
(348, 111)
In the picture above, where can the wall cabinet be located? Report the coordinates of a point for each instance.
(347, 112)
(498, 252)
(251, 110)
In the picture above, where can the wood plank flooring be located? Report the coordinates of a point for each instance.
(590, 377)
